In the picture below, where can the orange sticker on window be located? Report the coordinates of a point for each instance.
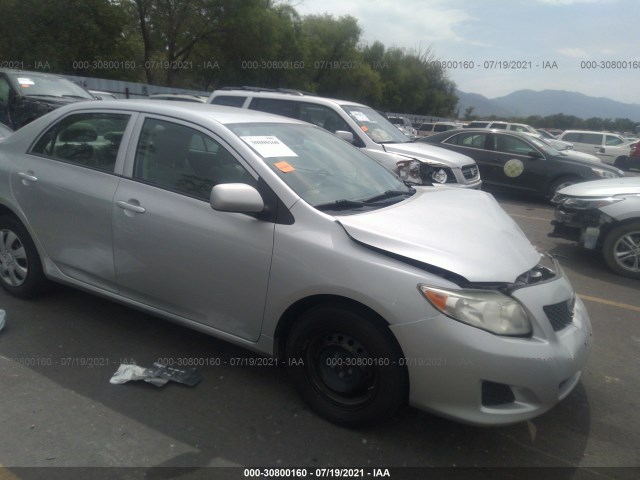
(364, 128)
(284, 167)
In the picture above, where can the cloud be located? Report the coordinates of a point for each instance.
(573, 52)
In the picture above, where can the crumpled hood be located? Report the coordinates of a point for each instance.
(463, 231)
(421, 150)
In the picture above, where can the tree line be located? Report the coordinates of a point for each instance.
(207, 44)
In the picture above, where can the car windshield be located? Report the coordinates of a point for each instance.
(321, 168)
(45, 85)
(377, 128)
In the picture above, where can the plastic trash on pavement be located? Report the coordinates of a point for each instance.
(157, 375)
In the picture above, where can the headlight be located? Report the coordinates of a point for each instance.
(589, 203)
(487, 310)
(439, 176)
(606, 173)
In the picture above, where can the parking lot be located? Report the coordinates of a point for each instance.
(58, 409)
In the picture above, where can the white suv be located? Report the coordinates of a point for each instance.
(608, 147)
(367, 129)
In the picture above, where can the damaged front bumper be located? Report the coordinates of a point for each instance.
(582, 226)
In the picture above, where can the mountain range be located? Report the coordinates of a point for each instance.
(523, 103)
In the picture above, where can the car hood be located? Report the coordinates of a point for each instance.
(587, 157)
(426, 151)
(602, 188)
(463, 231)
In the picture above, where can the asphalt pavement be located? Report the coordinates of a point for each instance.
(58, 409)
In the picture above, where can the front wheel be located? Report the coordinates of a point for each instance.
(621, 250)
(346, 366)
(20, 267)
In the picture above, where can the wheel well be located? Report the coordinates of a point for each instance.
(559, 179)
(292, 313)
(604, 231)
(4, 210)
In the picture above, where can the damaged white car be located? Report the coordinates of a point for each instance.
(603, 215)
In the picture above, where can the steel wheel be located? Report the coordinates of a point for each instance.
(20, 268)
(13, 259)
(622, 250)
(345, 364)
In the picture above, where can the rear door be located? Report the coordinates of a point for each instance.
(65, 186)
(174, 252)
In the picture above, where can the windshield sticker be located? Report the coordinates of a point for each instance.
(513, 168)
(360, 116)
(284, 167)
(25, 82)
(364, 128)
(269, 146)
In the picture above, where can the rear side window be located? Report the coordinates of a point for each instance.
(591, 138)
(478, 125)
(571, 137)
(500, 126)
(286, 108)
(229, 100)
(87, 139)
(426, 127)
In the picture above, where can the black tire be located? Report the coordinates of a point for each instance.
(20, 267)
(622, 163)
(621, 250)
(346, 366)
(561, 183)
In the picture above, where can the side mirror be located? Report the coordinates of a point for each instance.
(348, 136)
(236, 198)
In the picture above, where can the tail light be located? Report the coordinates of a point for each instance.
(635, 150)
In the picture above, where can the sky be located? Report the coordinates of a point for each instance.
(583, 43)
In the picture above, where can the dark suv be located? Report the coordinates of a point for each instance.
(25, 96)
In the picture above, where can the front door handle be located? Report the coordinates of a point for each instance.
(28, 176)
(130, 206)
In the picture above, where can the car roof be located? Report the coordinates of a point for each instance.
(205, 111)
(294, 95)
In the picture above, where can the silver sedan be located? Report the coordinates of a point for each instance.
(280, 237)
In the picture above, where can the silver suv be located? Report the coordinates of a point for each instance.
(365, 128)
(608, 147)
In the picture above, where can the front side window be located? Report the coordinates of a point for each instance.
(184, 160)
(612, 140)
(509, 144)
(322, 116)
(471, 139)
(87, 139)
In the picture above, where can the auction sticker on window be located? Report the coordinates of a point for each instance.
(269, 146)
(360, 116)
(513, 168)
(25, 82)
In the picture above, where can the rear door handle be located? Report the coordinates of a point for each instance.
(130, 206)
(28, 176)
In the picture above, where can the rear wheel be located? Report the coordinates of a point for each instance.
(346, 366)
(621, 250)
(20, 267)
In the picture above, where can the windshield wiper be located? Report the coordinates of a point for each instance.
(390, 194)
(75, 96)
(340, 204)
